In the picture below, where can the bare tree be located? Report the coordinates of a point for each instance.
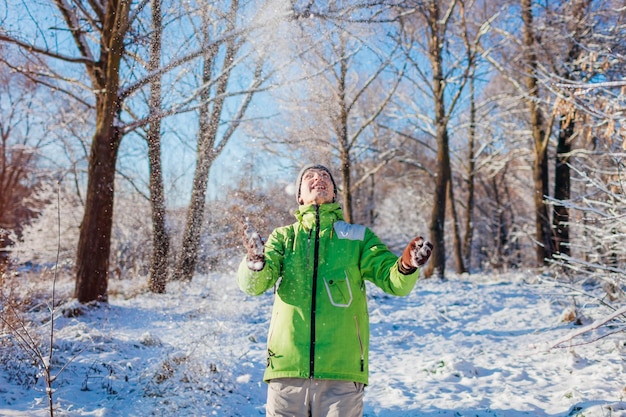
(524, 60)
(540, 135)
(596, 203)
(597, 254)
(218, 67)
(438, 32)
(550, 46)
(19, 153)
(111, 20)
(595, 118)
(585, 30)
(160, 237)
(351, 77)
(112, 78)
(471, 173)
(348, 121)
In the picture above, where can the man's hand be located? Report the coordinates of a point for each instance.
(416, 253)
(255, 247)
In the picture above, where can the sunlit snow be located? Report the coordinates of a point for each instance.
(468, 346)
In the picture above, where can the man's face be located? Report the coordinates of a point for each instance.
(316, 187)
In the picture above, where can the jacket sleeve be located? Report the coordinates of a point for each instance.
(256, 283)
(380, 266)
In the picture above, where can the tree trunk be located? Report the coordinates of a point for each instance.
(560, 218)
(94, 244)
(341, 127)
(496, 258)
(195, 215)
(188, 255)
(437, 264)
(456, 228)
(371, 204)
(562, 178)
(160, 238)
(543, 233)
(209, 117)
(469, 212)
(346, 167)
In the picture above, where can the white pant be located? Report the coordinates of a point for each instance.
(299, 397)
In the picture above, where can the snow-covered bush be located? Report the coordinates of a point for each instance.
(597, 258)
(131, 237)
(598, 219)
(56, 229)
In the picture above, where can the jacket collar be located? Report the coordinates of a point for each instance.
(329, 214)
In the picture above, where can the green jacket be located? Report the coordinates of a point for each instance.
(320, 323)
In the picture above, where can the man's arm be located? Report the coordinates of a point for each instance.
(260, 270)
(386, 270)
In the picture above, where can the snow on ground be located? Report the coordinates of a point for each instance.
(468, 346)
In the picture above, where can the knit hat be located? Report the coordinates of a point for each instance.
(314, 166)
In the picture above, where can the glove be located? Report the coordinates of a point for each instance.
(255, 247)
(415, 254)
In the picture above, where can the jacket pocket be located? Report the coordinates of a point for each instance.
(339, 291)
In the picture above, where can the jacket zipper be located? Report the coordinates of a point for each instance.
(316, 250)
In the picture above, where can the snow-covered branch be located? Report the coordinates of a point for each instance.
(589, 328)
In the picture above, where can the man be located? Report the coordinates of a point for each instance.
(318, 341)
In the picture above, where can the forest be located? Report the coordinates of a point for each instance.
(136, 134)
